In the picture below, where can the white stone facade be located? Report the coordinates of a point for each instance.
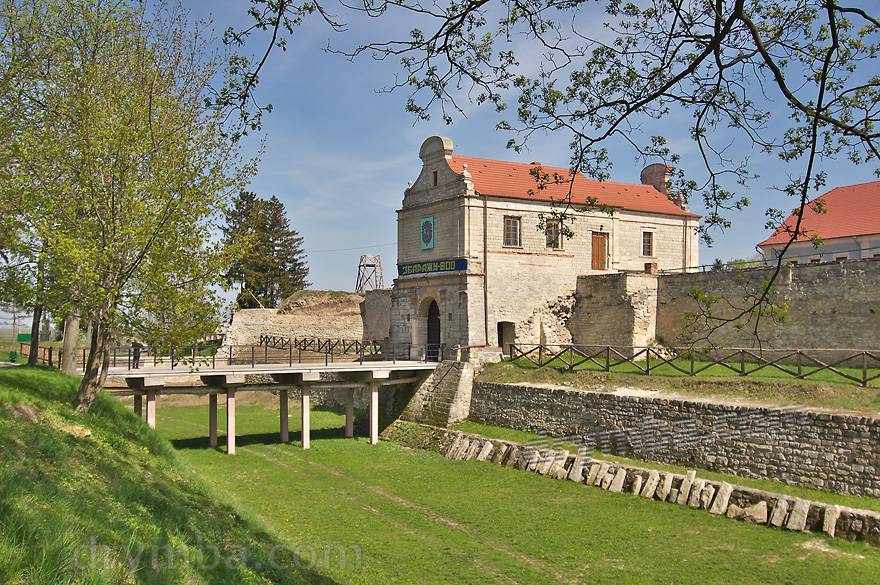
(509, 290)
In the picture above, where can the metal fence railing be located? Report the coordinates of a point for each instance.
(858, 366)
(319, 352)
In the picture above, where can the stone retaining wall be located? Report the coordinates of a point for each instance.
(839, 453)
(720, 498)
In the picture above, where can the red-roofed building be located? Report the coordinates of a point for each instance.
(475, 269)
(845, 222)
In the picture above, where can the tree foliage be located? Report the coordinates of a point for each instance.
(796, 80)
(121, 170)
(273, 265)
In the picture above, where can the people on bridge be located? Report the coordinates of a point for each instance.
(136, 347)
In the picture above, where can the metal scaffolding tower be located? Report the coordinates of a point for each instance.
(369, 274)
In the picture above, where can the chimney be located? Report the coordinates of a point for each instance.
(657, 176)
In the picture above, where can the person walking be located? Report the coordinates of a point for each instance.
(136, 347)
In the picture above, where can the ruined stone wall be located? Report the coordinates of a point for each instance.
(323, 314)
(834, 305)
(799, 447)
(614, 309)
(376, 314)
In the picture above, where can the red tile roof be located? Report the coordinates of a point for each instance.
(853, 210)
(513, 180)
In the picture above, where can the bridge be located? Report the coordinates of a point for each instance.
(228, 375)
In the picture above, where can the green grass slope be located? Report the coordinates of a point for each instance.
(416, 517)
(103, 499)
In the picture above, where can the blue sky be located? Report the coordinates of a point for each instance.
(339, 154)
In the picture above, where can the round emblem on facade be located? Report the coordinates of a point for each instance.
(427, 232)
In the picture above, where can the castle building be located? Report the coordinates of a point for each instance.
(475, 270)
(843, 224)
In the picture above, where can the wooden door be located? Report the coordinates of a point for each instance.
(600, 251)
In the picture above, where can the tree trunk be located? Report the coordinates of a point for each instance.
(71, 337)
(95, 371)
(35, 335)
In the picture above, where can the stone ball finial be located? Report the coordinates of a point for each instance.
(436, 147)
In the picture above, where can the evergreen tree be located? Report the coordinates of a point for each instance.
(274, 264)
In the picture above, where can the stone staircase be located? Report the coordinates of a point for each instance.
(445, 397)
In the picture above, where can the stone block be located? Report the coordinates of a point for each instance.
(606, 481)
(500, 452)
(601, 473)
(576, 473)
(797, 520)
(722, 499)
(462, 450)
(706, 496)
(637, 485)
(829, 520)
(513, 457)
(486, 451)
(593, 473)
(696, 490)
(617, 483)
(651, 484)
(780, 511)
(474, 448)
(756, 513)
(665, 487)
(453, 447)
(545, 461)
(684, 491)
(673, 495)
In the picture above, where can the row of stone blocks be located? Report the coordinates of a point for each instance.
(720, 498)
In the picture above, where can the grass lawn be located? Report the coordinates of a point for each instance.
(417, 517)
(102, 499)
(768, 390)
(507, 434)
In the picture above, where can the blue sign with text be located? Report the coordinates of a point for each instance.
(431, 266)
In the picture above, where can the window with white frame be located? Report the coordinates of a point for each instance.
(511, 232)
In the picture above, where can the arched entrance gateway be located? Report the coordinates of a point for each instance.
(432, 343)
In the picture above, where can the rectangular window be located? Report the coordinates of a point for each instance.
(647, 243)
(511, 232)
(815, 260)
(434, 178)
(553, 231)
(842, 258)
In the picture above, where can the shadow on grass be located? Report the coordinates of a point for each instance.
(255, 439)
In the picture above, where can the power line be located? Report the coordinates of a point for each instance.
(352, 249)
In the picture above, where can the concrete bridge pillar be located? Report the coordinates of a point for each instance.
(374, 412)
(151, 409)
(306, 400)
(284, 414)
(349, 413)
(212, 419)
(230, 421)
(138, 405)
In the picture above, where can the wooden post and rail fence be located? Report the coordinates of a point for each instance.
(858, 366)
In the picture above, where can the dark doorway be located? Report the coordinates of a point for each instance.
(432, 348)
(506, 336)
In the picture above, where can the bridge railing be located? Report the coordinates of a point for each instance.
(303, 351)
